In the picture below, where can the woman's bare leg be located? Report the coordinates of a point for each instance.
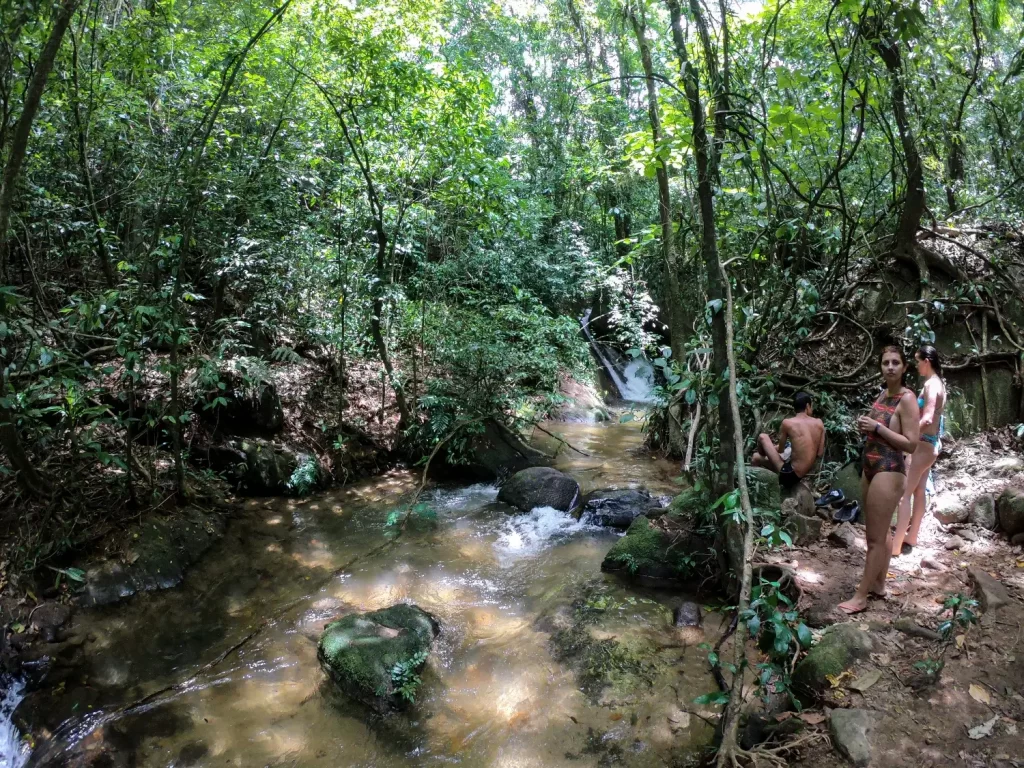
(883, 494)
(917, 476)
(920, 492)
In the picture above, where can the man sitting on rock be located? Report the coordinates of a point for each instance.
(805, 433)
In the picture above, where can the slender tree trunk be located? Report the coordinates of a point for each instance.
(23, 127)
(9, 438)
(673, 293)
(704, 158)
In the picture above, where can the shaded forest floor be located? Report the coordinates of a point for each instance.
(982, 683)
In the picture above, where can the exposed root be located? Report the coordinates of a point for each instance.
(762, 755)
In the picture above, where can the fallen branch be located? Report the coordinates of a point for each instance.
(563, 441)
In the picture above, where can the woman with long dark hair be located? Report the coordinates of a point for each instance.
(891, 428)
(931, 402)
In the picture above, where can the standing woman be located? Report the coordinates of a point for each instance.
(891, 429)
(932, 403)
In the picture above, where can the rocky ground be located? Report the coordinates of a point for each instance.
(887, 708)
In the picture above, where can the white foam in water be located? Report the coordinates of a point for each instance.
(523, 536)
(638, 381)
(13, 751)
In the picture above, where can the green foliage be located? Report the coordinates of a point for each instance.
(305, 477)
(405, 676)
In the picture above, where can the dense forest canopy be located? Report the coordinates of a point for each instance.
(439, 189)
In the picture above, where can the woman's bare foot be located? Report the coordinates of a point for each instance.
(854, 605)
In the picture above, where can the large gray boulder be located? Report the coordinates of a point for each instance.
(540, 487)
(1010, 507)
(617, 508)
(983, 512)
(376, 657)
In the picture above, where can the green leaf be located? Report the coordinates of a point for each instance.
(75, 574)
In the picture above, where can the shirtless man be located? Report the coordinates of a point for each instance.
(807, 435)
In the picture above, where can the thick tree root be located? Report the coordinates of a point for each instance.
(733, 756)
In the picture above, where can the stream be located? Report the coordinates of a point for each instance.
(497, 690)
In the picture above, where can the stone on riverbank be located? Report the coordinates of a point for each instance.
(376, 657)
(668, 548)
(983, 512)
(540, 487)
(836, 651)
(617, 508)
(1011, 511)
(851, 731)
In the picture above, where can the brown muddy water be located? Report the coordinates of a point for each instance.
(497, 691)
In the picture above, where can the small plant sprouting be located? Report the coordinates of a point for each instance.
(405, 676)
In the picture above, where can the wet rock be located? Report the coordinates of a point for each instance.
(1010, 508)
(949, 509)
(617, 508)
(983, 512)
(48, 617)
(256, 466)
(583, 404)
(990, 592)
(839, 647)
(851, 731)
(846, 536)
(1017, 540)
(687, 615)
(669, 548)
(159, 552)
(376, 657)
(954, 542)
(540, 487)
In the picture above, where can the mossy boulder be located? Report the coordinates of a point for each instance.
(540, 487)
(668, 548)
(839, 647)
(763, 487)
(1011, 511)
(376, 657)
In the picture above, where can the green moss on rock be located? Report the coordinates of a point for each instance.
(374, 656)
(670, 548)
(839, 647)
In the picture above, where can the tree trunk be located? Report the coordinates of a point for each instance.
(28, 476)
(23, 127)
(673, 293)
(704, 158)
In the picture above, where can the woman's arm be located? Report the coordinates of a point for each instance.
(931, 400)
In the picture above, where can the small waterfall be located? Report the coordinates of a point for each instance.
(13, 752)
(634, 379)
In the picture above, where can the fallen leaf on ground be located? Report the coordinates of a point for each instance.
(837, 680)
(866, 680)
(783, 717)
(960, 641)
(812, 718)
(983, 730)
(616, 716)
(979, 694)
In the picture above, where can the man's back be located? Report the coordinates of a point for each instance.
(807, 434)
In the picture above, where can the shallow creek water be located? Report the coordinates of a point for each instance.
(494, 692)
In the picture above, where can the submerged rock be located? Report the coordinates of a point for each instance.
(687, 615)
(376, 657)
(540, 487)
(617, 508)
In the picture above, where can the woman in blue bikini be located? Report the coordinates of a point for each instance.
(932, 403)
